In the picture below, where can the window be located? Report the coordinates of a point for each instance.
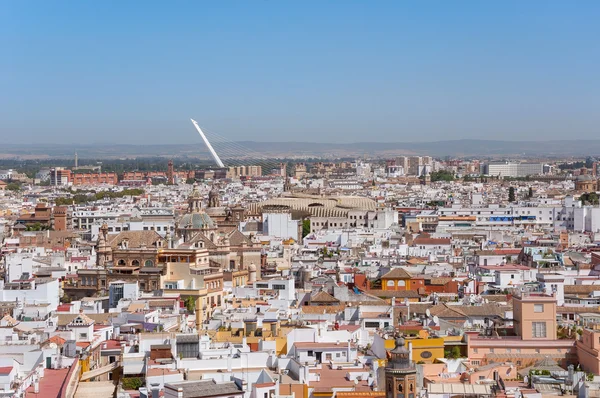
(338, 355)
(310, 353)
(278, 287)
(475, 350)
(538, 329)
(328, 357)
(538, 308)
(83, 335)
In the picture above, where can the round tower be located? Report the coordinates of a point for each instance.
(400, 373)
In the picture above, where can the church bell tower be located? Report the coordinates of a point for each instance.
(400, 373)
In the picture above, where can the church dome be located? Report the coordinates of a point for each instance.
(196, 220)
(584, 177)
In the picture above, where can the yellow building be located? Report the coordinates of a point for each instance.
(423, 348)
(396, 279)
(426, 350)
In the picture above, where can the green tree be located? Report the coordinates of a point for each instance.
(132, 383)
(453, 353)
(305, 227)
(13, 186)
(511, 194)
(442, 175)
(589, 198)
(190, 304)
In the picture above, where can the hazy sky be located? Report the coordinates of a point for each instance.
(125, 71)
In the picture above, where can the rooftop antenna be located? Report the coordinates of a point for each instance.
(208, 145)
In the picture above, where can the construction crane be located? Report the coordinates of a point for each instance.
(208, 145)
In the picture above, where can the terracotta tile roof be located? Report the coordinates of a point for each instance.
(85, 320)
(432, 241)
(199, 237)
(360, 394)
(136, 239)
(578, 310)
(161, 303)
(443, 311)
(59, 341)
(397, 273)
(395, 293)
(236, 238)
(65, 319)
(4, 370)
(323, 297)
(581, 289)
(322, 309)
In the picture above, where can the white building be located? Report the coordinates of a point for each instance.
(6, 174)
(280, 225)
(507, 169)
(122, 290)
(31, 291)
(284, 289)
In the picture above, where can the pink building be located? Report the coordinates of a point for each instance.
(588, 350)
(534, 336)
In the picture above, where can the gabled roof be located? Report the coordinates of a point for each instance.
(104, 318)
(136, 239)
(323, 297)
(81, 320)
(236, 238)
(199, 237)
(397, 273)
(445, 311)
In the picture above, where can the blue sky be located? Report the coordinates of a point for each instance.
(324, 71)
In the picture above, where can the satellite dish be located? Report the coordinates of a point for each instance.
(53, 346)
(436, 320)
(428, 313)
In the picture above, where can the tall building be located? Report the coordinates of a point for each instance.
(400, 373)
(60, 176)
(299, 170)
(170, 175)
(60, 218)
(413, 165)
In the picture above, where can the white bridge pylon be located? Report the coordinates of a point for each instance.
(208, 145)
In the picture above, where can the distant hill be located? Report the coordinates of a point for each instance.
(253, 149)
